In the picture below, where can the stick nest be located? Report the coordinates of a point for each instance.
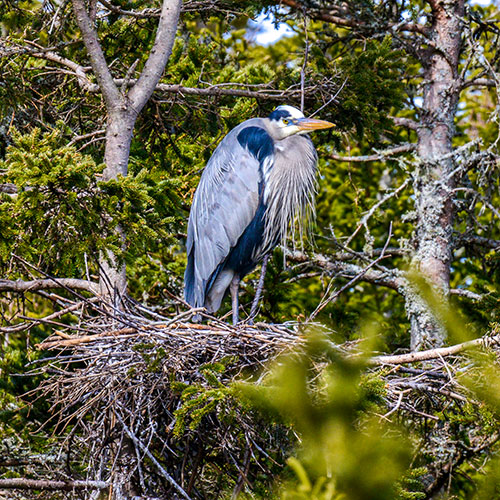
(120, 377)
(138, 386)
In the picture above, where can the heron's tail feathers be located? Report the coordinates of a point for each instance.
(189, 281)
(218, 288)
(205, 293)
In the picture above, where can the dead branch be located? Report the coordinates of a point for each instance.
(477, 241)
(44, 484)
(327, 299)
(47, 284)
(404, 148)
(440, 352)
(374, 208)
(188, 6)
(144, 449)
(479, 82)
(391, 278)
(218, 90)
(8, 188)
(405, 122)
(349, 21)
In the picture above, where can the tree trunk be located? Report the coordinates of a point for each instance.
(433, 179)
(123, 109)
(113, 278)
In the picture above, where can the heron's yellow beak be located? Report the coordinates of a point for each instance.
(312, 124)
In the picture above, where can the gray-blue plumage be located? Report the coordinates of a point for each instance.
(259, 178)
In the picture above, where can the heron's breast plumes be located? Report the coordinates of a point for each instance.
(290, 189)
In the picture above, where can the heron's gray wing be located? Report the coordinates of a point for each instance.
(224, 204)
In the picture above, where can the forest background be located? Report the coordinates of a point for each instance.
(104, 130)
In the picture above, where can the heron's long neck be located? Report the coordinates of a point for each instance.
(290, 188)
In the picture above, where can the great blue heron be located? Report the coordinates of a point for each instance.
(258, 179)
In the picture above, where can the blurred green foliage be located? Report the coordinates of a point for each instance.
(330, 403)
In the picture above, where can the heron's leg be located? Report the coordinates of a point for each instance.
(234, 288)
(258, 292)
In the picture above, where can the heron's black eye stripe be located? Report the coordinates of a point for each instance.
(278, 113)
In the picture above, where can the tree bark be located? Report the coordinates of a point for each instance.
(433, 180)
(123, 106)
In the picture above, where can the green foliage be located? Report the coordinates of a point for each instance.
(372, 73)
(201, 399)
(410, 487)
(63, 213)
(321, 395)
(55, 217)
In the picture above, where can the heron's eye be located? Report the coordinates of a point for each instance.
(286, 122)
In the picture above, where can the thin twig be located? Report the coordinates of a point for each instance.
(151, 457)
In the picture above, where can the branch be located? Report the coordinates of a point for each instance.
(79, 70)
(440, 352)
(158, 57)
(442, 476)
(351, 21)
(219, 90)
(141, 14)
(47, 284)
(478, 82)
(8, 188)
(473, 239)
(188, 6)
(393, 279)
(388, 279)
(375, 207)
(405, 122)
(327, 299)
(467, 294)
(99, 65)
(222, 89)
(214, 90)
(404, 148)
(43, 484)
(83, 339)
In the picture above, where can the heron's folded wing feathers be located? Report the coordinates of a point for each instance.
(224, 205)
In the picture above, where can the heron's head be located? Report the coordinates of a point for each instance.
(287, 120)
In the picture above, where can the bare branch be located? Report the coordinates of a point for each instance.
(479, 82)
(141, 14)
(99, 65)
(19, 483)
(375, 207)
(405, 122)
(188, 6)
(145, 450)
(389, 279)
(439, 352)
(327, 299)
(90, 135)
(158, 57)
(213, 90)
(473, 239)
(404, 148)
(8, 188)
(352, 22)
(47, 284)
(220, 90)
(49, 55)
(460, 292)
